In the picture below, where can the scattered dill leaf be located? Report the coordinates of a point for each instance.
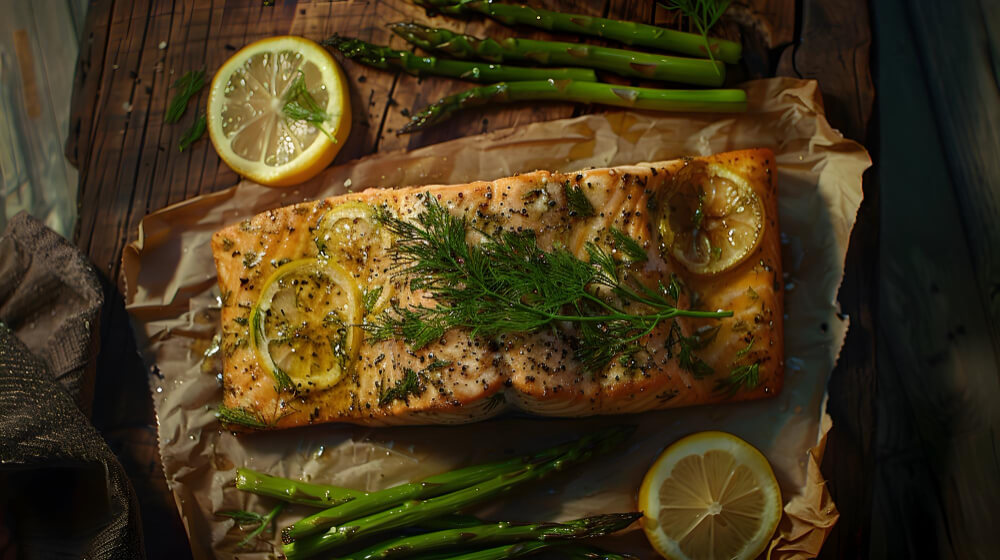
(301, 106)
(684, 348)
(187, 86)
(192, 134)
(746, 376)
(408, 386)
(716, 252)
(370, 298)
(242, 321)
(704, 14)
(577, 201)
(240, 416)
(250, 259)
(437, 364)
(250, 518)
(746, 350)
(628, 246)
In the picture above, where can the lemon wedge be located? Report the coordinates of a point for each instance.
(712, 220)
(247, 118)
(710, 496)
(349, 235)
(306, 325)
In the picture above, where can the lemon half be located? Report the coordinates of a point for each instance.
(306, 325)
(246, 120)
(713, 219)
(710, 496)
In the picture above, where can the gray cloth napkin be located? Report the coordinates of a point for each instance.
(63, 493)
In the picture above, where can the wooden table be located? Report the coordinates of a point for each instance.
(129, 166)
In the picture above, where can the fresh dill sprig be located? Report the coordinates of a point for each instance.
(403, 389)
(187, 86)
(301, 106)
(241, 416)
(248, 518)
(745, 376)
(370, 298)
(684, 348)
(508, 284)
(192, 134)
(577, 201)
(628, 246)
(703, 13)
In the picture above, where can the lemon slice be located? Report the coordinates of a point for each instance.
(710, 496)
(246, 119)
(306, 324)
(350, 235)
(713, 220)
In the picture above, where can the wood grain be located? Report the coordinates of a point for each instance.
(937, 466)
(129, 166)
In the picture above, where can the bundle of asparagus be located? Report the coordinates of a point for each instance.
(421, 520)
(577, 83)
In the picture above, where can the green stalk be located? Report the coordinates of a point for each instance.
(385, 58)
(584, 552)
(705, 100)
(294, 491)
(426, 488)
(495, 534)
(627, 32)
(622, 62)
(415, 511)
(516, 550)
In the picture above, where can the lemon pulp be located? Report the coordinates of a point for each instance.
(306, 324)
(713, 219)
(246, 119)
(710, 496)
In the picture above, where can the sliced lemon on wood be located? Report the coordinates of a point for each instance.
(306, 324)
(712, 220)
(710, 496)
(350, 235)
(247, 118)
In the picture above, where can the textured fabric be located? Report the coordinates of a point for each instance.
(63, 493)
(50, 297)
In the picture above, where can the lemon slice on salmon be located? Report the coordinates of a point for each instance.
(250, 119)
(306, 325)
(710, 496)
(713, 219)
(349, 235)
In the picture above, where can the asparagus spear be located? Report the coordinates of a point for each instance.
(705, 100)
(294, 491)
(625, 63)
(427, 488)
(382, 57)
(584, 552)
(414, 511)
(494, 534)
(516, 550)
(626, 32)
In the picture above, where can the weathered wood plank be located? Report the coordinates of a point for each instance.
(936, 476)
(833, 47)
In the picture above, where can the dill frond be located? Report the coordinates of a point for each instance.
(192, 134)
(301, 106)
(187, 86)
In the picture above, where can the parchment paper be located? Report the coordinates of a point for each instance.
(171, 292)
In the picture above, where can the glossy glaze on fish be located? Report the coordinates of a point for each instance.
(461, 379)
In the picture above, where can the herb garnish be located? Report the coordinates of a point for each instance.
(704, 14)
(187, 86)
(301, 106)
(684, 346)
(192, 134)
(628, 246)
(403, 389)
(577, 201)
(248, 517)
(746, 376)
(508, 284)
(241, 416)
(370, 298)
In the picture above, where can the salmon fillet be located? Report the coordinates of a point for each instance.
(460, 378)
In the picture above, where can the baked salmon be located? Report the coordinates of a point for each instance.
(310, 293)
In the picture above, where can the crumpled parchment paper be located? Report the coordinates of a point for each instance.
(171, 292)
